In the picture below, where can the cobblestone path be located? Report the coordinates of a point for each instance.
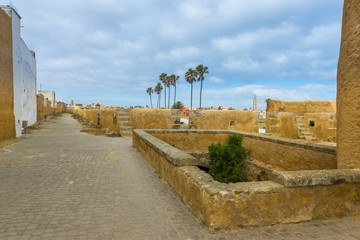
(59, 183)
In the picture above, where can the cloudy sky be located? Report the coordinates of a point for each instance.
(111, 51)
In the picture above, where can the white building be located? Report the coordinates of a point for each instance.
(49, 95)
(24, 73)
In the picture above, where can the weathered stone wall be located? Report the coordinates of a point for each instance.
(88, 114)
(104, 118)
(281, 124)
(318, 126)
(348, 88)
(238, 120)
(277, 153)
(109, 120)
(294, 197)
(324, 125)
(7, 119)
(47, 109)
(301, 107)
(155, 118)
(40, 107)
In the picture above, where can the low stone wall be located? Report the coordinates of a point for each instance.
(289, 196)
(238, 120)
(155, 118)
(277, 153)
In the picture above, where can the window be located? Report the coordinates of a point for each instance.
(311, 123)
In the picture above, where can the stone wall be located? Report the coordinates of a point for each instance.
(40, 107)
(104, 118)
(309, 126)
(289, 196)
(155, 118)
(348, 87)
(301, 107)
(7, 119)
(109, 120)
(276, 153)
(238, 120)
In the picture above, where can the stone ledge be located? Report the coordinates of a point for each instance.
(284, 141)
(315, 177)
(172, 154)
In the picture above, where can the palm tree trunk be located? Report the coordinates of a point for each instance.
(151, 101)
(191, 96)
(200, 92)
(169, 98)
(175, 94)
(165, 96)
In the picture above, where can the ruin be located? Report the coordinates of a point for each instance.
(304, 180)
(307, 120)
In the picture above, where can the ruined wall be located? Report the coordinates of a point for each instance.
(301, 107)
(281, 124)
(155, 118)
(308, 120)
(348, 88)
(238, 120)
(7, 119)
(104, 118)
(323, 125)
(277, 153)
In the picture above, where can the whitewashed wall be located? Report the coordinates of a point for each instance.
(28, 76)
(17, 72)
(49, 95)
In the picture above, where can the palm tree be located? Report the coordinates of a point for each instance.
(190, 77)
(174, 79)
(162, 78)
(168, 84)
(201, 70)
(158, 89)
(150, 91)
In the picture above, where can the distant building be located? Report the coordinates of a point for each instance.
(255, 104)
(49, 95)
(184, 112)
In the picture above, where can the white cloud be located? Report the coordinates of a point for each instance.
(216, 80)
(318, 87)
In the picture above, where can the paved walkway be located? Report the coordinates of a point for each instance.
(59, 183)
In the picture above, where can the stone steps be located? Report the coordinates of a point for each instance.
(124, 122)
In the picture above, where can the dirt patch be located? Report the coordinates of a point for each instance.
(92, 129)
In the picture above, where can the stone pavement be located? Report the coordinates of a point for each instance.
(59, 183)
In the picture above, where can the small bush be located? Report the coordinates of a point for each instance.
(228, 160)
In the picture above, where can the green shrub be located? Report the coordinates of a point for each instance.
(227, 160)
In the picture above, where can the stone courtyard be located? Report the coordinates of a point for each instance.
(59, 183)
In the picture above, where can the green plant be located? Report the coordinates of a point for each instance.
(178, 105)
(228, 160)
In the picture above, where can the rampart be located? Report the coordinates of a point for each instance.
(7, 119)
(287, 197)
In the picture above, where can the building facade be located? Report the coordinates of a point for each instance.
(18, 72)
